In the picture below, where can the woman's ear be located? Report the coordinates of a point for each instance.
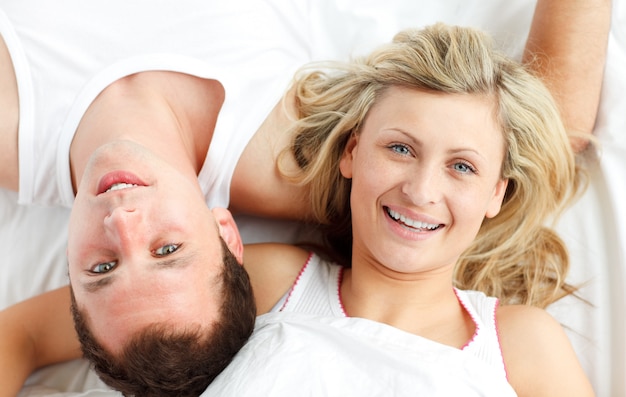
(229, 232)
(496, 200)
(345, 164)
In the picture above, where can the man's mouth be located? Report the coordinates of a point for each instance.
(118, 180)
(120, 186)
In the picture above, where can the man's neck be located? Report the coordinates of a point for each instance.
(171, 114)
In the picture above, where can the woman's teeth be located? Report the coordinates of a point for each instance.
(411, 222)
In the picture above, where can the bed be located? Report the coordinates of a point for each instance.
(594, 228)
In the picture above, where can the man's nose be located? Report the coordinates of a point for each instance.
(123, 226)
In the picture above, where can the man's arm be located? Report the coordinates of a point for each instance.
(9, 119)
(35, 333)
(567, 47)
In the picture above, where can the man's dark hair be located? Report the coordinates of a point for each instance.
(159, 361)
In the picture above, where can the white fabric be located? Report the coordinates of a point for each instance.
(296, 354)
(317, 291)
(594, 229)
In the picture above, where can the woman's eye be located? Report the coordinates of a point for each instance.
(400, 149)
(464, 168)
(104, 267)
(167, 249)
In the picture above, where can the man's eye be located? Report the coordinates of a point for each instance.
(167, 249)
(104, 267)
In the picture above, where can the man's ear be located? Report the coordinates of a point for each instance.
(229, 232)
(345, 164)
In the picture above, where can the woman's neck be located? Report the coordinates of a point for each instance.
(422, 305)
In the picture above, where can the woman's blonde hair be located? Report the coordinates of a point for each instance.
(515, 256)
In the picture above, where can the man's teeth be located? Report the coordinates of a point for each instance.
(120, 186)
(411, 222)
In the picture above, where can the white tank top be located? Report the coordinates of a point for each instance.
(317, 291)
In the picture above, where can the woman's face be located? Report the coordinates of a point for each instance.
(425, 172)
(143, 247)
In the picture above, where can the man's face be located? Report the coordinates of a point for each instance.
(143, 246)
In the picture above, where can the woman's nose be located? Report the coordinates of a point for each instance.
(423, 185)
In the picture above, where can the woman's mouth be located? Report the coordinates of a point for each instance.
(409, 223)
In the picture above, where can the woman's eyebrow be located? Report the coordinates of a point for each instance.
(468, 150)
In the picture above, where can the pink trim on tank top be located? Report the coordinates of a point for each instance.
(506, 371)
(293, 286)
(477, 327)
(495, 308)
(339, 280)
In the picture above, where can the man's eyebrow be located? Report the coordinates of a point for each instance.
(97, 285)
(177, 261)
(167, 263)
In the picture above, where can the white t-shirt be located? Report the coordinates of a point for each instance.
(66, 53)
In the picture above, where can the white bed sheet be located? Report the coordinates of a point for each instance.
(333, 356)
(594, 229)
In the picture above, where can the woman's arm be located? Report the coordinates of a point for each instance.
(567, 46)
(35, 333)
(539, 358)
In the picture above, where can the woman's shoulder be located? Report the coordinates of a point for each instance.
(538, 355)
(273, 268)
(263, 254)
(521, 323)
(527, 323)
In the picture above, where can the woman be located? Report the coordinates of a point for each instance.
(452, 156)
